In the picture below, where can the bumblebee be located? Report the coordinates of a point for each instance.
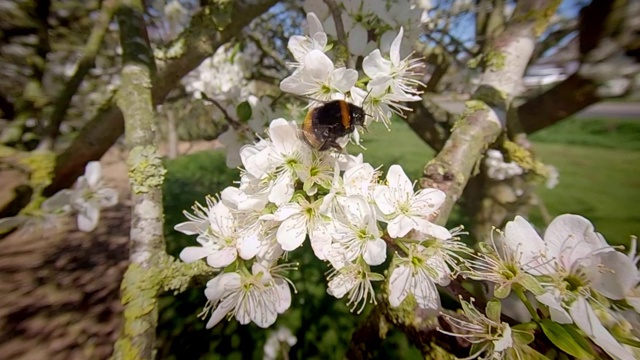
(325, 124)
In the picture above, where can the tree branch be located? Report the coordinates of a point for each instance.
(139, 290)
(430, 122)
(265, 48)
(599, 21)
(195, 44)
(342, 51)
(86, 63)
(485, 116)
(566, 98)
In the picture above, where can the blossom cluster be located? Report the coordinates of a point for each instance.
(499, 169)
(355, 219)
(575, 276)
(390, 80)
(290, 194)
(222, 80)
(85, 199)
(371, 24)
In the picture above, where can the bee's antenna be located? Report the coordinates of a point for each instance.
(365, 99)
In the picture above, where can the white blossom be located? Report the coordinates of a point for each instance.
(358, 234)
(571, 255)
(89, 195)
(300, 46)
(218, 235)
(489, 336)
(353, 280)
(405, 210)
(279, 340)
(318, 79)
(395, 74)
(251, 297)
(417, 274)
(498, 169)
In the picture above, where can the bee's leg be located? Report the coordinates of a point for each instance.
(334, 144)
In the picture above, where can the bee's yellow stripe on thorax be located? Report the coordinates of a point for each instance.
(344, 114)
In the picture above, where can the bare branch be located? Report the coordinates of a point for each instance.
(196, 43)
(265, 48)
(485, 116)
(231, 121)
(86, 63)
(604, 34)
(343, 50)
(564, 99)
(430, 122)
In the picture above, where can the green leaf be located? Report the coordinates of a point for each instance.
(531, 283)
(494, 307)
(234, 53)
(564, 339)
(526, 352)
(244, 111)
(501, 291)
(522, 337)
(578, 337)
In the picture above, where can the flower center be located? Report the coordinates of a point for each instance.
(362, 234)
(509, 271)
(573, 283)
(290, 163)
(404, 208)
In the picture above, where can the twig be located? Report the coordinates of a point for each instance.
(342, 36)
(267, 49)
(235, 124)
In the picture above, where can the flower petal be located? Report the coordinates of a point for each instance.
(615, 275)
(384, 202)
(570, 238)
(191, 227)
(88, 217)
(344, 79)
(223, 257)
(426, 294)
(357, 40)
(221, 311)
(375, 252)
(375, 65)
(292, 232)
(284, 296)
(523, 240)
(93, 173)
(399, 284)
(400, 226)
(399, 181)
(248, 245)
(194, 253)
(394, 51)
(586, 319)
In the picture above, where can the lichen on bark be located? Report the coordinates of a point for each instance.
(146, 170)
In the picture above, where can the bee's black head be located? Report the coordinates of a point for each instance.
(357, 115)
